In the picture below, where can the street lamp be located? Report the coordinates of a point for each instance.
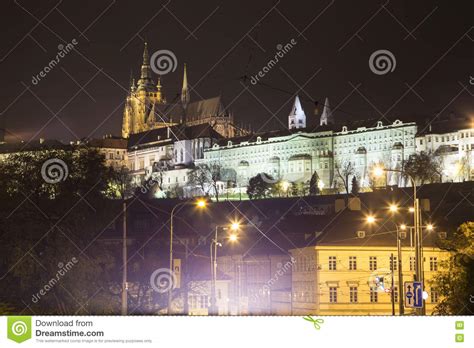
(393, 208)
(285, 185)
(201, 203)
(370, 219)
(378, 171)
(234, 226)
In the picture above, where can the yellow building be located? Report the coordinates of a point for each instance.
(344, 275)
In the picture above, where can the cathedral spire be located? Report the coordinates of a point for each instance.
(146, 58)
(297, 117)
(326, 116)
(146, 78)
(185, 97)
(132, 82)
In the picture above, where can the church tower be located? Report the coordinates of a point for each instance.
(185, 97)
(142, 106)
(297, 117)
(326, 116)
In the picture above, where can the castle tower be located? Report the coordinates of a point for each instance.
(297, 117)
(326, 116)
(141, 112)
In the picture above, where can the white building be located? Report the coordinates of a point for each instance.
(452, 140)
(166, 155)
(295, 154)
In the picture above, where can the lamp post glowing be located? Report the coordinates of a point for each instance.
(401, 310)
(393, 208)
(378, 171)
(285, 185)
(370, 219)
(320, 185)
(234, 226)
(200, 204)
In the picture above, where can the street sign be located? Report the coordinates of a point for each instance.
(413, 295)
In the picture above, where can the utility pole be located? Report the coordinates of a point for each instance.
(392, 290)
(124, 261)
(401, 309)
(214, 243)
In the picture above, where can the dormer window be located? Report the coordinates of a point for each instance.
(259, 140)
(229, 143)
(379, 124)
(344, 129)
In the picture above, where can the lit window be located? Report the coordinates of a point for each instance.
(332, 263)
(352, 263)
(433, 264)
(393, 263)
(374, 295)
(353, 294)
(333, 295)
(373, 263)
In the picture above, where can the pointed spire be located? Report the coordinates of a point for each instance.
(185, 97)
(297, 117)
(326, 116)
(146, 59)
(158, 84)
(146, 77)
(132, 82)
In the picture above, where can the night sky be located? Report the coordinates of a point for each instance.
(224, 41)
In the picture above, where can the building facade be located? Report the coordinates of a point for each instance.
(294, 155)
(452, 146)
(345, 280)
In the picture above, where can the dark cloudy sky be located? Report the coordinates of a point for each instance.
(221, 41)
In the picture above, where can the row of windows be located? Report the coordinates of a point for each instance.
(446, 138)
(373, 294)
(332, 263)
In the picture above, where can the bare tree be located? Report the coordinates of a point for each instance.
(206, 177)
(424, 167)
(344, 172)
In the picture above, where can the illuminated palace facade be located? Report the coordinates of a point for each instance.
(333, 150)
(165, 140)
(169, 139)
(293, 155)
